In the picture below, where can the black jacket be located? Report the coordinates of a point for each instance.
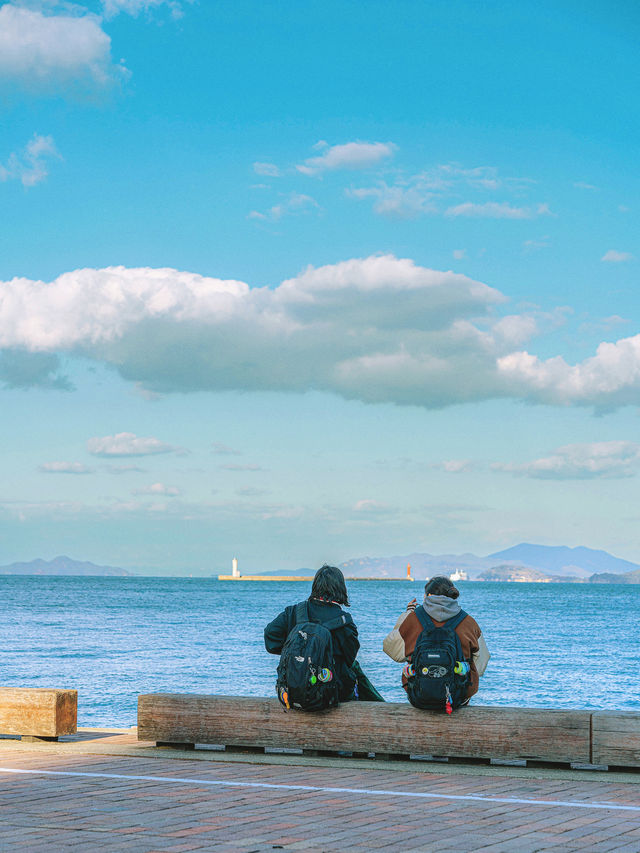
(345, 639)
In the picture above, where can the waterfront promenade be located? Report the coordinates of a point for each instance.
(104, 791)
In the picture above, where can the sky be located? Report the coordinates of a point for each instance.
(297, 282)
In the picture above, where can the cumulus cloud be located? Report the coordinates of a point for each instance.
(158, 489)
(21, 368)
(46, 50)
(30, 166)
(64, 468)
(597, 460)
(351, 155)
(615, 257)
(609, 379)
(377, 329)
(127, 444)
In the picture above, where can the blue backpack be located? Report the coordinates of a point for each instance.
(432, 680)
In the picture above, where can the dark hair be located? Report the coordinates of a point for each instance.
(441, 586)
(328, 584)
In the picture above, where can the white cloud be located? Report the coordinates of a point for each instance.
(158, 489)
(409, 196)
(295, 204)
(615, 257)
(369, 505)
(127, 444)
(454, 466)
(397, 202)
(30, 165)
(597, 460)
(64, 468)
(377, 329)
(608, 379)
(459, 254)
(224, 450)
(268, 169)
(135, 7)
(351, 155)
(45, 51)
(534, 245)
(496, 210)
(581, 185)
(125, 469)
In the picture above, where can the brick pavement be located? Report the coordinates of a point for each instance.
(179, 809)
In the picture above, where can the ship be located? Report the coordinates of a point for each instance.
(459, 575)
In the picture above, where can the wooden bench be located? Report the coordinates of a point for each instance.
(615, 738)
(389, 729)
(38, 713)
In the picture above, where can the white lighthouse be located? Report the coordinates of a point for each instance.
(234, 568)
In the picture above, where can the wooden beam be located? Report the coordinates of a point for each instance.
(471, 732)
(616, 738)
(39, 712)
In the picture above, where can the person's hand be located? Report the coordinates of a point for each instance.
(412, 604)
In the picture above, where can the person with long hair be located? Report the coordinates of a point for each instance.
(441, 604)
(328, 596)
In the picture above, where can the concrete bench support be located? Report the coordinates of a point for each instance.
(390, 728)
(38, 713)
(616, 738)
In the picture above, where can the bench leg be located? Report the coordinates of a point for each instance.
(245, 750)
(175, 745)
(38, 739)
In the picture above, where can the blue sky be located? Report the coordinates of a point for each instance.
(297, 282)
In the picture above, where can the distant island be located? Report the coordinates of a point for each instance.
(63, 566)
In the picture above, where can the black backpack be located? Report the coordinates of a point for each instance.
(307, 670)
(434, 684)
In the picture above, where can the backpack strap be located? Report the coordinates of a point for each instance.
(456, 620)
(338, 622)
(427, 622)
(302, 613)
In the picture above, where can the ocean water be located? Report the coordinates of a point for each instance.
(552, 645)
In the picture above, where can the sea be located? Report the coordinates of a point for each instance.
(112, 638)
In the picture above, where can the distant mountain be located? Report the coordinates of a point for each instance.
(62, 566)
(563, 561)
(541, 561)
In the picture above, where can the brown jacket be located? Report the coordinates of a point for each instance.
(401, 641)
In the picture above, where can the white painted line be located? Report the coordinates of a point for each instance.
(373, 792)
